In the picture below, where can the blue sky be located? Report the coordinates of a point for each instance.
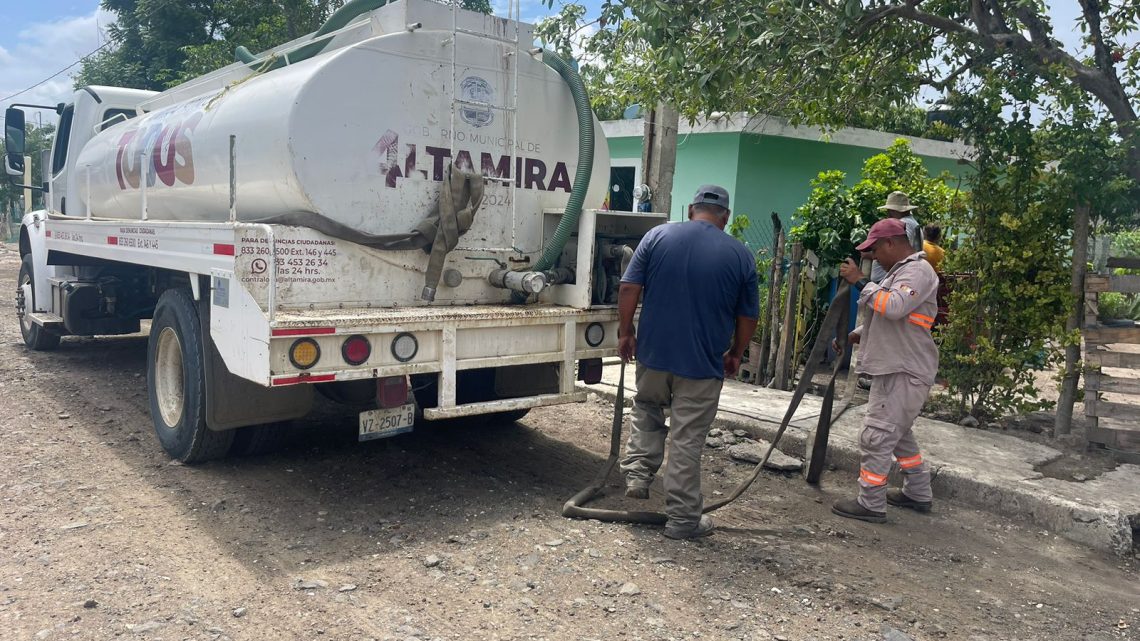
(42, 37)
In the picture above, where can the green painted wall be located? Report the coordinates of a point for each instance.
(704, 159)
(701, 159)
(761, 173)
(628, 147)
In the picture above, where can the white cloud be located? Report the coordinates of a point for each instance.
(44, 48)
(530, 10)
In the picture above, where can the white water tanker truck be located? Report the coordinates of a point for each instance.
(392, 211)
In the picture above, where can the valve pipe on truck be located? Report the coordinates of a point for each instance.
(394, 211)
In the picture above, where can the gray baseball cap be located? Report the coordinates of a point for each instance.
(712, 195)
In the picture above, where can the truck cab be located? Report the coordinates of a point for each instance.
(92, 109)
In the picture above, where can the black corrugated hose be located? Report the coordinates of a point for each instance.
(836, 318)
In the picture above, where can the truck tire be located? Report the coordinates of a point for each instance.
(35, 336)
(256, 440)
(176, 386)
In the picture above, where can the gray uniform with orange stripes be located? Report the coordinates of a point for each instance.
(899, 352)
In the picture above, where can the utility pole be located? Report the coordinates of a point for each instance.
(659, 156)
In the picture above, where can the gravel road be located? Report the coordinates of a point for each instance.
(453, 532)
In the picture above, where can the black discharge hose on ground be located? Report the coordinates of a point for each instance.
(836, 319)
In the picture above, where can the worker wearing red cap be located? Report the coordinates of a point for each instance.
(899, 352)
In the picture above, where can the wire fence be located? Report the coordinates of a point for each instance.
(761, 233)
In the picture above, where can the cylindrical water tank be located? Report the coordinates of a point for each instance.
(362, 136)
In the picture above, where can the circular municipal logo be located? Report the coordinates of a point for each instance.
(476, 89)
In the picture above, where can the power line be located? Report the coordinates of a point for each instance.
(23, 91)
(147, 16)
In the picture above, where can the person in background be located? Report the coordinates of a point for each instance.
(898, 206)
(931, 234)
(701, 303)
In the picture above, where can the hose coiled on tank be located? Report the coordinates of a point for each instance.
(552, 250)
(569, 223)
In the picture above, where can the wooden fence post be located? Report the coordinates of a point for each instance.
(787, 344)
(776, 312)
(765, 319)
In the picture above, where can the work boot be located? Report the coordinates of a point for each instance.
(704, 527)
(852, 509)
(637, 492)
(898, 498)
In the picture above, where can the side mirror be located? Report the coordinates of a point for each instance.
(14, 141)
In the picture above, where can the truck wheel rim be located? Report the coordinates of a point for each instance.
(168, 379)
(25, 323)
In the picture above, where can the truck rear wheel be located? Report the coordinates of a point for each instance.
(256, 440)
(176, 382)
(35, 336)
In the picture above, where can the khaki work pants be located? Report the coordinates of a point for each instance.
(692, 404)
(895, 402)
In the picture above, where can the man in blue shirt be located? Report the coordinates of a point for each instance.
(701, 302)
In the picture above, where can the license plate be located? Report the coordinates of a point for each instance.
(383, 423)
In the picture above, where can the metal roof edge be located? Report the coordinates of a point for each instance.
(765, 125)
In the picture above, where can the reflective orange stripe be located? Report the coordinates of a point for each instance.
(881, 302)
(872, 478)
(922, 321)
(908, 462)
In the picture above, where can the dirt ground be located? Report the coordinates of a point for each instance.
(454, 532)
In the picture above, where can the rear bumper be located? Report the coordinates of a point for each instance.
(449, 340)
(505, 405)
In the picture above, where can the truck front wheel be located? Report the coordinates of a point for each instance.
(176, 382)
(35, 336)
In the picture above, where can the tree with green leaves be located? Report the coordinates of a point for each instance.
(837, 215)
(1007, 318)
(1007, 86)
(826, 61)
(148, 38)
(157, 44)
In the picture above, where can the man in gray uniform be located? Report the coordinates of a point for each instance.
(901, 356)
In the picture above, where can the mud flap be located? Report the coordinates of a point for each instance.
(233, 402)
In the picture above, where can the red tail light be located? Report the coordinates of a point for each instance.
(355, 350)
(392, 391)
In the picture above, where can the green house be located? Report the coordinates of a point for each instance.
(765, 164)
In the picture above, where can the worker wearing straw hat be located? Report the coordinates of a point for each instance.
(898, 206)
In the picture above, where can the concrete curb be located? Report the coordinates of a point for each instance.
(1101, 525)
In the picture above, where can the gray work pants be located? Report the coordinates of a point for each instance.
(895, 402)
(692, 404)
